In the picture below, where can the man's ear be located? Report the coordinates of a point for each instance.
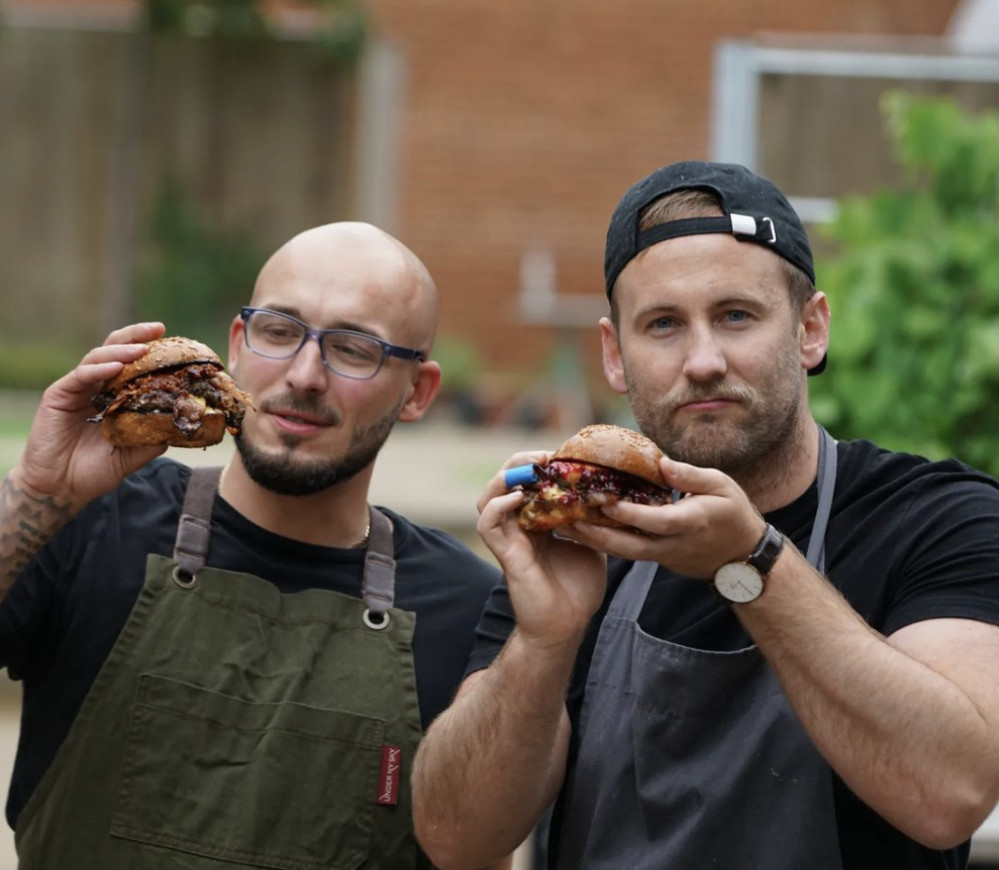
(235, 344)
(814, 341)
(426, 386)
(613, 364)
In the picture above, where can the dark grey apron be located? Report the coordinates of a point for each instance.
(693, 758)
(236, 726)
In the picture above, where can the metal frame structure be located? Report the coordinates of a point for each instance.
(739, 66)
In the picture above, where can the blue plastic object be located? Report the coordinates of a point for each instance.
(520, 475)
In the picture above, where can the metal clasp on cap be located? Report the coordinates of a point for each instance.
(746, 225)
(773, 231)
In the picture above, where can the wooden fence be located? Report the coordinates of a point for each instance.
(260, 136)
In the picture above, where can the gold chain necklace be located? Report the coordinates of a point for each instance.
(367, 534)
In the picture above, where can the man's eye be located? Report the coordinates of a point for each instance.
(737, 316)
(662, 323)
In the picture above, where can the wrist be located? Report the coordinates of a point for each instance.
(549, 652)
(745, 580)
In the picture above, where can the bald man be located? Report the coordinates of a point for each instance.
(234, 666)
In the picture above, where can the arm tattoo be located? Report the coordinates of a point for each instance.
(26, 523)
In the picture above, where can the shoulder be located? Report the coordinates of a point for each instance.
(865, 469)
(161, 477)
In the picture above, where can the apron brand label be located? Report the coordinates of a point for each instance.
(388, 779)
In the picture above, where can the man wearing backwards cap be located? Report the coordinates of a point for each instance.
(797, 664)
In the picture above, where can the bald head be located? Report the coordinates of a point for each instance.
(371, 280)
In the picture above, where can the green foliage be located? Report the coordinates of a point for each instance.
(914, 292)
(195, 277)
(346, 32)
(234, 19)
(341, 37)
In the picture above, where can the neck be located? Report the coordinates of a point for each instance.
(786, 472)
(337, 517)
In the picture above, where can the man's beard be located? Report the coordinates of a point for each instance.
(286, 474)
(710, 439)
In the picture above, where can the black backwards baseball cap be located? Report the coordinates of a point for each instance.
(754, 209)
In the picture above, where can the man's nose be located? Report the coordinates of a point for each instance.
(705, 360)
(306, 370)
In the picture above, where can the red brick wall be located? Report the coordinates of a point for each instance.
(525, 120)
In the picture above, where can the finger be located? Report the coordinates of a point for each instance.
(650, 519)
(74, 390)
(494, 512)
(136, 332)
(498, 484)
(622, 543)
(693, 479)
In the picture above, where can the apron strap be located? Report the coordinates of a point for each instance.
(191, 545)
(630, 596)
(826, 485)
(190, 550)
(378, 588)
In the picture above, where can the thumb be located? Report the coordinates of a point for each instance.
(693, 478)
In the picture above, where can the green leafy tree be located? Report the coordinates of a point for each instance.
(195, 276)
(341, 35)
(914, 290)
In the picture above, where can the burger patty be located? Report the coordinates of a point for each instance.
(567, 482)
(184, 392)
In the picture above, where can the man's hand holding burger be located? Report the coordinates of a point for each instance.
(712, 524)
(613, 490)
(555, 585)
(66, 460)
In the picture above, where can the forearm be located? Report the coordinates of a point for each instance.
(27, 521)
(490, 765)
(907, 739)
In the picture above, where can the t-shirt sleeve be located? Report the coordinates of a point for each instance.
(948, 562)
(495, 626)
(30, 614)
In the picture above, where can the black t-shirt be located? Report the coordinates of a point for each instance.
(908, 540)
(62, 617)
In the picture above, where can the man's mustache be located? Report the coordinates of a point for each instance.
(313, 409)
(726, 393)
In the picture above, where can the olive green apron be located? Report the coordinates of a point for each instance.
(236, 726)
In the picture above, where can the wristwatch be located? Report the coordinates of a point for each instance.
(742, 582)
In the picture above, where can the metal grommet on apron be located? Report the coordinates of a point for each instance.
(235, 724)
(190, 550)
(378, 590)
(694, 758)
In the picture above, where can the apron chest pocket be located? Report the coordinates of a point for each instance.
(285, 786)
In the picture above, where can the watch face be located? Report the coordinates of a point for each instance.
(739, 582)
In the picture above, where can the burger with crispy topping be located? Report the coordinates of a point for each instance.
(177, 394)
(599, 465)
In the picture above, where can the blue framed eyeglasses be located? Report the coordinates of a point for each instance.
(344, 352)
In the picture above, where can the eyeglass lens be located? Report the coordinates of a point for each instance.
(279, 337)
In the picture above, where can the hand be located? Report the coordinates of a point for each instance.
(66, 457)
(712, 524)
(555, 585)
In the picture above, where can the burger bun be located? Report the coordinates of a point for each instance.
(165, 353)
(134, 429)
(615, 447)
(549, 505)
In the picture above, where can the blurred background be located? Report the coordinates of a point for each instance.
(154, 152)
